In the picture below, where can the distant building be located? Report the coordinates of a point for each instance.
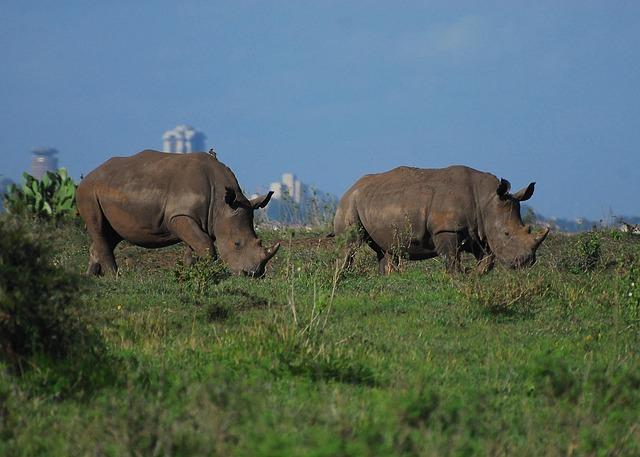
(43, 160)
(294, 202)
(183, 139)
(289, 186)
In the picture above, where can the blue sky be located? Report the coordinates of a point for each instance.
(530, 91)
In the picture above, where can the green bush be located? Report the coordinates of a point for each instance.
(52, 197)
(584, 253)
(631, 291)
(40, 313)
(300, 349)
(315, 361)
(203, 274)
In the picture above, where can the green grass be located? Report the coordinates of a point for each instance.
(310, 362)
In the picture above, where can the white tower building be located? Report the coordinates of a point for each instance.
(294, 202)
(294, 187)
(183, 139)
(43, 160)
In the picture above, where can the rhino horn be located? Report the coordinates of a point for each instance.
(539, 238)
(261, 200)
(270, 252)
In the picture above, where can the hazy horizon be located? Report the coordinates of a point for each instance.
(330, 91)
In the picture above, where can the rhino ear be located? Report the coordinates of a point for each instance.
(526, 193)
(261, 200)
(230, 197)
(503, 188)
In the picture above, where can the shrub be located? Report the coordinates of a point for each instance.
(300, 347)
(631, 291)
(308, 357)
(200, 276)
(52, 197)
(584, 253)
(589, 246)
(40, 311)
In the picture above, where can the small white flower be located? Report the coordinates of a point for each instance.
(630, 294)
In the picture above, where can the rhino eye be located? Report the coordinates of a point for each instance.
(506, 233)
(237, 244)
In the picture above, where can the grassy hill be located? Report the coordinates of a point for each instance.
(316, 361)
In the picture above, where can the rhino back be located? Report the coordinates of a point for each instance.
(140, 194)
(422, 201)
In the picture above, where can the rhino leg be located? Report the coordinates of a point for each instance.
(103, 241)
(348, 254)
(101, 258)
(187, 258)
(190, 232)
(347, 225)
(485, 264)
(353, 237)
(387, 263)
(447, 246)
(484, 258)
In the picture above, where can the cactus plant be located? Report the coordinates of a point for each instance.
(51, 197)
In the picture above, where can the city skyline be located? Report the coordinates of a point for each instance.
(295, 189)
(183, 139)
(291, 197)
(294, 201)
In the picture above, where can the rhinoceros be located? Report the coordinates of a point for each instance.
(423, 213)
(155, 199)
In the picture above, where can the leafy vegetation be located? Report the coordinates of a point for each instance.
(316, 360)
(201, 276)
(44, 334)
(51, 197)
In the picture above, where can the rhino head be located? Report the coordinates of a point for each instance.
(236, 238)
(510, 240)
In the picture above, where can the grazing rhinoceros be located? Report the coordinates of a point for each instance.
(423, 213)
(155, 199)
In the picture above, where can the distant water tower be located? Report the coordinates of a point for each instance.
(183, 139)
(43, 160)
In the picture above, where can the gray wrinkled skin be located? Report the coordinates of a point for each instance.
(155, 199)
(424, 213)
